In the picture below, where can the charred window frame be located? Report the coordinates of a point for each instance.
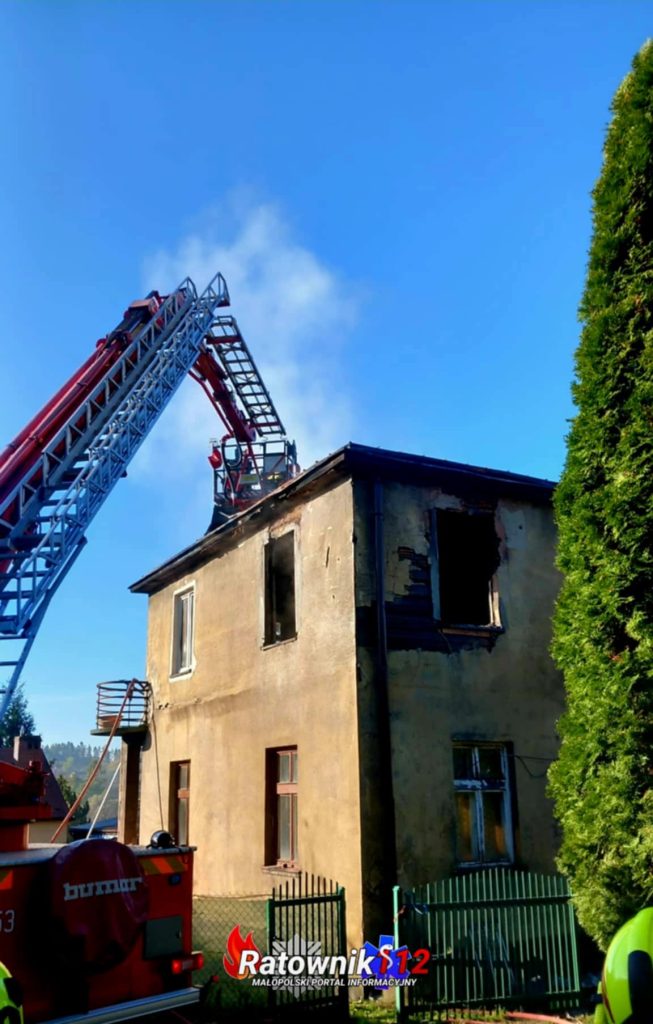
(281, 818)
(464, 561)
(183, 631)
(179, 816)
(280, 611)
(484, 804)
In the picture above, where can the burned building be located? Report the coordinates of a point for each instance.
(352, 678)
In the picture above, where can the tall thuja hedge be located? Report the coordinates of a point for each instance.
(603, 630)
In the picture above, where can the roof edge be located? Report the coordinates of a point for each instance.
(349, 459)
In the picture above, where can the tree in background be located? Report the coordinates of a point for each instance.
(603, 631)
(74, 763)
(69, 795)
(18, 719)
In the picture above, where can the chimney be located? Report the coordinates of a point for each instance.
(26, 746)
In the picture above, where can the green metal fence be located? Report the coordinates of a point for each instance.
(305, 915)
(496, 938)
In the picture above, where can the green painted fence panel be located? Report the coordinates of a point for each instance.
(497, 937)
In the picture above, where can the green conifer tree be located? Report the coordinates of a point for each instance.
(602, 783)
(18, 720)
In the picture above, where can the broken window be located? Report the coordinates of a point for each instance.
(465, 559)
(281, 819)
(182, 631)
(482, 799)
(179, 801)
(280, 589)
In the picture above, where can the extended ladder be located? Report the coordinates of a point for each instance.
(44, 516)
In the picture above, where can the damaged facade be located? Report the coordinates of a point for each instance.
(352, 678)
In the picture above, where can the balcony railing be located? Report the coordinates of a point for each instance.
(123, 705)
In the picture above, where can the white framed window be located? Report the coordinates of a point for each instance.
(183, 627)
(482, 795)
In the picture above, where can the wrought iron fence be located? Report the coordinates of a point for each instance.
(495, 938)
(307, 916)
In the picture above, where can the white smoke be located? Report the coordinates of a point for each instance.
(295, 314)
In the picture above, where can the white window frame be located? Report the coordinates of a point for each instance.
(182, 668)
(478, 787)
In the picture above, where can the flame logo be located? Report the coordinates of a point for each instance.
(236, 946)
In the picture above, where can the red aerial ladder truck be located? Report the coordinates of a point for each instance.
(116, 919)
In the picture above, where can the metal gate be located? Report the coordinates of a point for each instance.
(495, 937)
(307, 916)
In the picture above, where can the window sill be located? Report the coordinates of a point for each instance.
(278, 643)
(482, 865)
(185, 674)
(284, 870)
(470, 630)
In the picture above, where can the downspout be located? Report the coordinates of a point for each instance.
(388, 825)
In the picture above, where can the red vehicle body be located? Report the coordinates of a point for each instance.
(95, 930)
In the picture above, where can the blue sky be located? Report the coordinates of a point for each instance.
(397, 193)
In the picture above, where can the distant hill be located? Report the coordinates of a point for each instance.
(75, 761)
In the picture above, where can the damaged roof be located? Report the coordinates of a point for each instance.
(352, 460)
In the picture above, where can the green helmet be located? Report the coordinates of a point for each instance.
(626, 989)
(11, 998)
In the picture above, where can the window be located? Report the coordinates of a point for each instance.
(179, 800)
(281, 818)
(465, 555)
(182, 631)
(483, 811)
(280, 589)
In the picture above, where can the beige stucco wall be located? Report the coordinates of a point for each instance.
(512, 693)
(241, 699)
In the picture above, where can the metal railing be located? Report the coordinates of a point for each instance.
(495, 938)
(307, 916)
(110, 698)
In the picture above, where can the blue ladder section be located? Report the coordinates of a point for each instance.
(82, 464)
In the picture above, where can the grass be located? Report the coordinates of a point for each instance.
(382, 1014)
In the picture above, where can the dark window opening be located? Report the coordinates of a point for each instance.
(281, 807)
(280, 589)
(179, 801)
(467, 556)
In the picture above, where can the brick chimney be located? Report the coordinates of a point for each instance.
(26, 748)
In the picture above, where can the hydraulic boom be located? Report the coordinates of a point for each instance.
(58, 471)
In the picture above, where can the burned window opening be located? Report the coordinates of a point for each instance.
(466, 557)
(280, 589)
